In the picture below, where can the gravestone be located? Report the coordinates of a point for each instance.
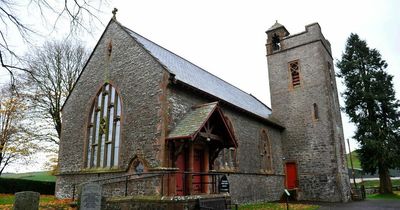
(90, 198)
(26, 200)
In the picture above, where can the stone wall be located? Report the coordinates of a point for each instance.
(164, 203)
(138, 78)
(113, 184)
(316, 145)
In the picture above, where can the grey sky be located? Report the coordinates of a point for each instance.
(227, 37)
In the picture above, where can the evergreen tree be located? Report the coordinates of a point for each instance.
(371, 104)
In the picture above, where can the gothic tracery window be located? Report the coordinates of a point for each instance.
(104, 128)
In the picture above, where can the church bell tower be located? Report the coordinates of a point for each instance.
(304, 99)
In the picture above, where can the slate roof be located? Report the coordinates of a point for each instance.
(199, 78)
(276, 26)
(192, 121)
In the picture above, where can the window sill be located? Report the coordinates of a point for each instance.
(100, 170)
(92, 171)
(231, 170)
(263, 171)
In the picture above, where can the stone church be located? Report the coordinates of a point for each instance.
(142, 120)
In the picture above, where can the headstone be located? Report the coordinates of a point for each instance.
(90, 198)
(26, 200)
(224, 184)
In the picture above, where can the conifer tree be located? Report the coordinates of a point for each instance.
(371, 105)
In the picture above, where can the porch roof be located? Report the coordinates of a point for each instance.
(194, 121)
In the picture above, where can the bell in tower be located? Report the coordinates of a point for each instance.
(274, 37)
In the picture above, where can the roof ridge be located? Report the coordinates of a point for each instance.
(206, 104)
(260, 101)
(192, 63)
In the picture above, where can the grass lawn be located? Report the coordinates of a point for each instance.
(394, 196)
(37, 176)
(276, 206)
(9, 198)
(375, 183)
(46, 202)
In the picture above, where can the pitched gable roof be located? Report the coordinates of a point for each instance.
(199, 78)
(192, 123)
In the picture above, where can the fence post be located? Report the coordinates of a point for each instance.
(162, 184)
(126, 186)
(73, 192)
(183, 183)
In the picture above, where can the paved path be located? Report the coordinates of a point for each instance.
(363, 205)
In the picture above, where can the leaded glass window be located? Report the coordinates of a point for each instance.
(104, 129)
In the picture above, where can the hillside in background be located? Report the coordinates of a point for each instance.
(357, 165)
(356, 161)
(37, 176)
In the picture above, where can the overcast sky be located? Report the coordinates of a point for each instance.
(227, 37)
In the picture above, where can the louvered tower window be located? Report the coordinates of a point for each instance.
(104, 129)
(294, 69)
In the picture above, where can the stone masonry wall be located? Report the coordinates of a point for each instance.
(138, 78)
(314, 144)
(247, 182)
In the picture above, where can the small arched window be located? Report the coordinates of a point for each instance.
(104, 129)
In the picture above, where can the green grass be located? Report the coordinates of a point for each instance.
(6, 199)
(394, 196)
(37, 176)
(9, 198)
(375, 183)
(354, 157)
(276, 206)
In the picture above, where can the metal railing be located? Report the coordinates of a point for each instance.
(208, 182)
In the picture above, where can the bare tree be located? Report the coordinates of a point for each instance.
(15, 143)
(54, 69)
(78, 14)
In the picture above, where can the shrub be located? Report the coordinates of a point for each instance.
(9, 185)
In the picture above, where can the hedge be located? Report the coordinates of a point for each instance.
(11, 186)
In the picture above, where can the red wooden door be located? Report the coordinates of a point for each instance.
(291, 175)
(197, 168)
(180, 177)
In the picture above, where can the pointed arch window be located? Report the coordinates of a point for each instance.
(265, 152)
(104, 129)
